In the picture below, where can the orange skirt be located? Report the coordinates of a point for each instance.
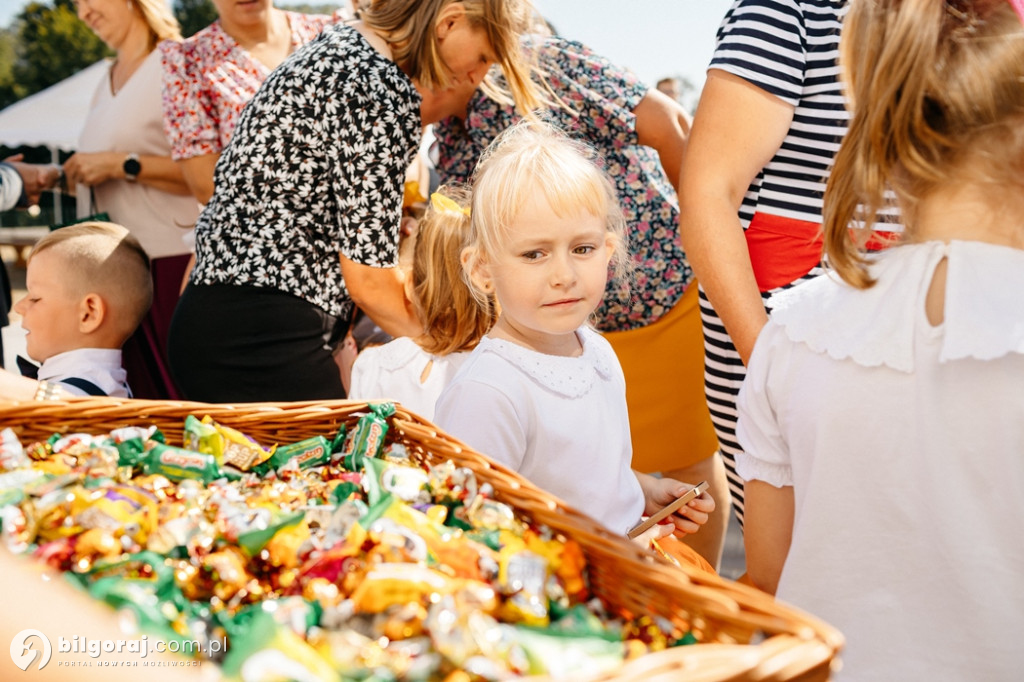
(664, 368)
(675, 550)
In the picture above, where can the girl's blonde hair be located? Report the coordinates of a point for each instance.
(531, 159)
(411, 29)
(454, 318)
(936, 89)
(160, 19)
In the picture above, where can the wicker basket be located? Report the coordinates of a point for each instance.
(744, 634)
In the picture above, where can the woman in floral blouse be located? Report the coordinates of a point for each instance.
(654, 325)
(304, 220)
(210, 77)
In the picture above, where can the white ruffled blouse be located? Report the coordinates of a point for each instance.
(402, 371)
(904, 444)
(984, 314)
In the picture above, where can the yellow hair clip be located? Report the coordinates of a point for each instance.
(442, 203)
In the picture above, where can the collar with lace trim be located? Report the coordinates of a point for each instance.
(571, 377)
(984, 309)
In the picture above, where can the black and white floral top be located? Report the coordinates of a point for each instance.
(315, 169)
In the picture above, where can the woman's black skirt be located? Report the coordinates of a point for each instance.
(249, 344)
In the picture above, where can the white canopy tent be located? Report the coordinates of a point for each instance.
(53, 117)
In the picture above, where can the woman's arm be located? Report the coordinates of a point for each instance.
(98, 167)
(767, 532)
(198, 172)
(737, 130)
(661, 123)
(380, 293)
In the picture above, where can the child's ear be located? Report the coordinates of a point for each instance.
(476, 269)
(611, 243)
(92, 311)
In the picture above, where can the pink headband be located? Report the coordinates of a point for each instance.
(1018, 7)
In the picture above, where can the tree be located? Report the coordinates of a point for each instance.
(52, 44)
(8, 45)
(194, 15)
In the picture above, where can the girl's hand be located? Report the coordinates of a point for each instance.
(655, 532)
(659, 492)
(94, 169)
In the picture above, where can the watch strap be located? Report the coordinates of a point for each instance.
(131, 167)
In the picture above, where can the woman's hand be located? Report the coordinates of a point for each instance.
(94, 168)
(35, 178)
(659, 492)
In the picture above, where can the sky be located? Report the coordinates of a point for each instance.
(653, 38)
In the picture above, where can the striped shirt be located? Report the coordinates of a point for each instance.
(790, 49)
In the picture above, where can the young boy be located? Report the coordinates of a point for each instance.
(89, 286)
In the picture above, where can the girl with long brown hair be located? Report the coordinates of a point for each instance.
(882, 417)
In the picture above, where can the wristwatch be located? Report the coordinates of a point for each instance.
(132, 167)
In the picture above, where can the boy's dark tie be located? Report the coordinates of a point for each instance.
(28, 368)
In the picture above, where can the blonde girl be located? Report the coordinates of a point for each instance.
(882, 415)
(304, 221)
(413, 371)
(543, 392)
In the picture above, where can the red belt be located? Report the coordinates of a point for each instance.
(782, 250)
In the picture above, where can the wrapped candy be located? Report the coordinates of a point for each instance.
(12, 454)
(225, 444)
(367, 438)
(318, 562)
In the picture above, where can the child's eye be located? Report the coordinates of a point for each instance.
(531, 255)
(584, 250)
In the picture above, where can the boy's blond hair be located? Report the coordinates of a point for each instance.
(453, 317)
(533, 159)
(937, 98)
(104, 259)
(410, 27)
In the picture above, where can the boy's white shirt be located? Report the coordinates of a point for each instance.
(101, 366)
(904, 444)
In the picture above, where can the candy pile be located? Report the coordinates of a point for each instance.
(340, 557)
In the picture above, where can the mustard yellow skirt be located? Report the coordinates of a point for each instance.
(664, 368)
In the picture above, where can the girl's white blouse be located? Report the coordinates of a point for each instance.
(904, 444)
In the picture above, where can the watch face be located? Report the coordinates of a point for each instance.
(132, 167)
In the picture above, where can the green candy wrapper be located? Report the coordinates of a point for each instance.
(131, 444)
(227, 445)
(178, 464)
(367, 437)
(147, 598)
(281, 654)
(305, 454)
(254, 540)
